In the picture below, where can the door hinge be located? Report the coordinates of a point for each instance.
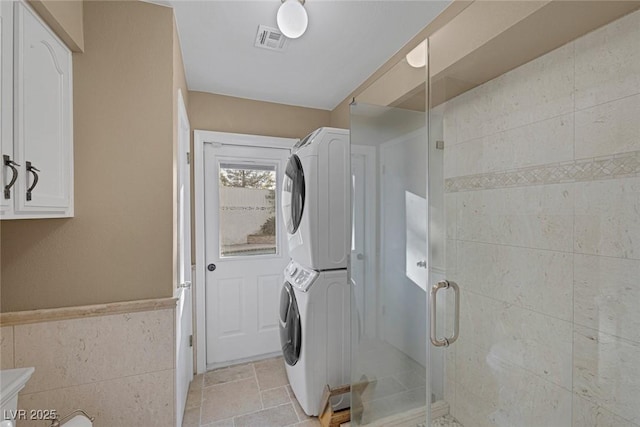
(188, 158)
(190, 340)
(439, 145)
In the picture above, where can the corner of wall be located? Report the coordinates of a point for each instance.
(65, 19)
(340, 115)
(209, 111)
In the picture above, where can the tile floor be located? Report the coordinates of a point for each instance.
(252, 395)
(258, 395)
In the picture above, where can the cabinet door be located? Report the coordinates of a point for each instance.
(6, 103)
(42, 127)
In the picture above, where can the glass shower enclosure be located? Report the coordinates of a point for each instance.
(389, 268)
(525, 192)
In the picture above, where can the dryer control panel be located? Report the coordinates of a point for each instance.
(300, 277)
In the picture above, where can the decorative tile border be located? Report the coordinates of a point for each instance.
(616, 166)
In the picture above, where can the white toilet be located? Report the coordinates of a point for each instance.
(14, 380)
(11, 382)
(77, 418)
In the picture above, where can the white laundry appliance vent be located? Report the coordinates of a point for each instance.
(270, 38)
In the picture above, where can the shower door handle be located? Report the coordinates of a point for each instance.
(444, 342)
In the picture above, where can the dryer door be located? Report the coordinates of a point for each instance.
(290, 328)
(293, 194)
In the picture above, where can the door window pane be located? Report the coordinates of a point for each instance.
(247, 200)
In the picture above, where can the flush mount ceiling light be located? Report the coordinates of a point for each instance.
(417, 58)
(292, 18)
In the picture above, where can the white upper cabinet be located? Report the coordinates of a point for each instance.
(42, 120)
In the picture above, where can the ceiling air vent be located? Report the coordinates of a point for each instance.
(270, 38)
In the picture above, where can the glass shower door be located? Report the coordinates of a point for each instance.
(540, 182)
(390, 360)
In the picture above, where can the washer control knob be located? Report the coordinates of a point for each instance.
(292, 269)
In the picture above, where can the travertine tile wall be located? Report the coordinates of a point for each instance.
(542, 200)
(119, 368)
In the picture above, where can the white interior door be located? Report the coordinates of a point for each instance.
(184, 316)
(246, 251)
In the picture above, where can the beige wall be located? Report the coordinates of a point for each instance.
(228, 114)
(119, 244)
(65, 19)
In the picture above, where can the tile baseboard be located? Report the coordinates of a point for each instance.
(66, 313)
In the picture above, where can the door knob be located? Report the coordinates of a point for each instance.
(211, 267)
(422, 264)
(185, 285)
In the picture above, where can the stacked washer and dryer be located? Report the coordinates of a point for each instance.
(315, 297)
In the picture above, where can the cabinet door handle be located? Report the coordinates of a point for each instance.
(14, 175)
(34, 171)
